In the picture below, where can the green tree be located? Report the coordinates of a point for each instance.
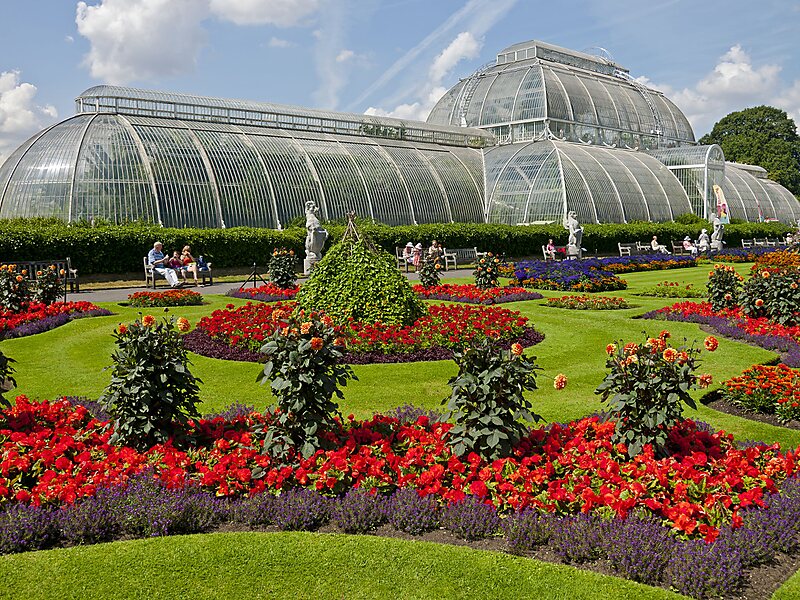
(763, 136)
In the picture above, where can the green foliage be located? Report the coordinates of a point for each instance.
(487, 271)
(772, 293)
(691, 219)
(645, 389)
(430, 271)
(304, 364)
(764, 136)
(14, 290)
(671, 289)
(723, 287)
(488, 405)
(49, 286)
(355, 281)
(7, 382)
(281, 267)
(151, 385)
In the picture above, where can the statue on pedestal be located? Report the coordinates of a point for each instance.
(716, 236)
(575, 235)
(315, 237)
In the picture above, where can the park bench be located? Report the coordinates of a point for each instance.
(462, 255)
(560, 253)
(69, 278)
(150, 274)
(401, 261)
(628, 248)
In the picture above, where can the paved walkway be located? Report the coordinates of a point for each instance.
(121, 294)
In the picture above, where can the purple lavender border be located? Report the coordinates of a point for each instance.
(200, 343)
(729, 328)
(48, 323)
(236, 293)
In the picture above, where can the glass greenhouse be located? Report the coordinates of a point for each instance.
(539, 132)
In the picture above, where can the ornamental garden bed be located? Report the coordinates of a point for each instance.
(239, 333)
(568, 276)
(472, 294)
(36, 317)
(264, 293)
(586, 302)
(692, 519)
(166, 298)
(672, 289)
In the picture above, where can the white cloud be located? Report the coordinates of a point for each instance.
(464, 46)
(283, 13)
(275, 42)
(735, 83)
(69, 39)
(142, 39)
(20, 116)
(344, 56)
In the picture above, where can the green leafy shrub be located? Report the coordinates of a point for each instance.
(772, 293)
(7, 382)
(14, 291)
(355, 280)
(691, 219)
(487, 270)
(488, 405)
(723, 287)
(281, 267)
(304, 366)
(672, 289)
(151, 385)
(430, 271)
(646, 386)
(49, 286)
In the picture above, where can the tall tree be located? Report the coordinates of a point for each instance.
(763, 136)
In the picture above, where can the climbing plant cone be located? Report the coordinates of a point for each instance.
(359, 280)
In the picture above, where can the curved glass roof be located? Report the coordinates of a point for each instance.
(542, 181)
(584, 98)
(753, 197)
(189, 173)
(170, 105)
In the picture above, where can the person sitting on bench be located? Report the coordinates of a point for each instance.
(158, 261)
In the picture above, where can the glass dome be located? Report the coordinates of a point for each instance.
(536, 88)
(753, 197)
(539, 182)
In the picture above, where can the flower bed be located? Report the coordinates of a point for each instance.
(37, 318)
(264, 293)
(673, 289)
(739, 255)
(472, 294)
(55, 453)
(768, 390)
(166, 298)
(587, 302)
(568, 275)
(732, 323)
(239, 333)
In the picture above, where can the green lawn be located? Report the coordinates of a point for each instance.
(70, 361)
(297, 565)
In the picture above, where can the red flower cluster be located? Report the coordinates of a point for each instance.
(472, 294)
(771, 389)
(759, 326)
(166, 298)
(36, 311)
(445, 325)
(55, 453)
(265, 293)
(586, 302)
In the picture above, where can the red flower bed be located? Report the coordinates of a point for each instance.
(36, 311)
(55, 453)
(264, 293)
(166, 298)
(759, 326)
(445, 325)
(767, 389)
(472, 294)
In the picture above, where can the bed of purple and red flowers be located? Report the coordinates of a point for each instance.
(268, 292)
(239, 333)
(472, 294)
(36, 317)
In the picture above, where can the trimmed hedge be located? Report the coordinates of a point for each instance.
(119, 248)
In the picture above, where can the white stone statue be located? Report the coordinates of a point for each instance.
(315, 237)
(575, 235)
(716, 236)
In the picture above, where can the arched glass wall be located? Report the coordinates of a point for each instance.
(699, 169)
(190, 173)
(757, 198)
(541, 181)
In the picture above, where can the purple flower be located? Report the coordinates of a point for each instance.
(470, 519)
(359, 511)
(412, 513)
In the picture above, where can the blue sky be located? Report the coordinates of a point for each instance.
(382, 56)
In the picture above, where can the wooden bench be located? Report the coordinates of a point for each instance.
(401, 261)
(69, 278)
(628, 248)
(560, 253)
(150, 274)
(747, 243)
(463, 255)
